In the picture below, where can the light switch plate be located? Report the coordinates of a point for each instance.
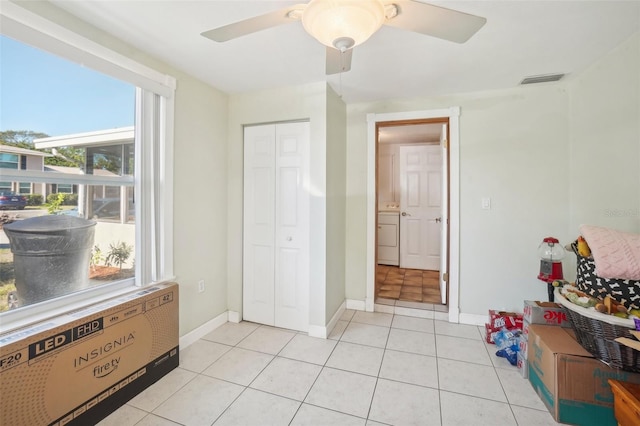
(486, 203)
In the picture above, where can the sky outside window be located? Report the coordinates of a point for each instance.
(43, 93)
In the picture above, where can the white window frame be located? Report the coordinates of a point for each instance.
(154, 158)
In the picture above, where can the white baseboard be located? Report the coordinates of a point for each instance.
(234, 317)
(206, 328)
(369, 304)
(336, 317)
(473, 319)
(324, 332)
(357, 305)
(454, 314)
(317, 331)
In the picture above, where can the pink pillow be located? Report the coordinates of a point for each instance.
(615, 253)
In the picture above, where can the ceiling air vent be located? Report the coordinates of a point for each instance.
(541, 78)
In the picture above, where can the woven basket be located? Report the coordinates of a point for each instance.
(596, 333)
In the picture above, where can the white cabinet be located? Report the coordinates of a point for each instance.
(275, 282)
(388, 182)
(388, 238)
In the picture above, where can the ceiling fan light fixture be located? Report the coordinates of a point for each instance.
(333, 21)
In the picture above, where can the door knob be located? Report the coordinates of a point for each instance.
(438, 219)
(405, 214)
(289, 238)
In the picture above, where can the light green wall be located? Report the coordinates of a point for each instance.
(200, 178)
(550, 157)
(336, 202)
(200, 187)
(605, 141)
(513, 149)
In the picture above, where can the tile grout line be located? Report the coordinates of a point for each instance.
(324, 366)
(316, 379)
(384, 353)
(261, 371)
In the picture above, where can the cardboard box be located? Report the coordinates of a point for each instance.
(525, 330)
(523, 347)
(77, 368)
(522, 365)
(548, 313)
(571, 383)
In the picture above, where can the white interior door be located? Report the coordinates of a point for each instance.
(258, 267)
(292, 226)
(420, 206)
(276, 225)
(444, 245)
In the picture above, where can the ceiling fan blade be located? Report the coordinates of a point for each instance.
(255, 24)
(338, 61)
(435, 21)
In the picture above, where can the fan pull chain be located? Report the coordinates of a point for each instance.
(341, 72)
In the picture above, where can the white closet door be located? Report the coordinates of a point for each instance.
(258, 268)
(276, 225)
(292, 226)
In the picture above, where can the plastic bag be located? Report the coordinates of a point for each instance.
(507, 342)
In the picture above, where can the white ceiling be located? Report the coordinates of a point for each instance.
(520, 38)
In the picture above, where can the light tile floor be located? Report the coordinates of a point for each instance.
(375, 368)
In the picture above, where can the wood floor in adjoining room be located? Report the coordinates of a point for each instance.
(412, 285)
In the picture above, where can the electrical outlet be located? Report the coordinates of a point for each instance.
(200, 286)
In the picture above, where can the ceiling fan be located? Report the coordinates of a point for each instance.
(343, 24)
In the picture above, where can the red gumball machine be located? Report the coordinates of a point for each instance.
(551, 254)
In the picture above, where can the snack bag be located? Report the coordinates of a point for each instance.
(507, 342)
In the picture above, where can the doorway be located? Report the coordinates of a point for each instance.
(411, 191)
(448, 275)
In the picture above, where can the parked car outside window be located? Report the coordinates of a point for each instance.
(11, 200)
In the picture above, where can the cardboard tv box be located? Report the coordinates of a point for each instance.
(77, 368)
(571, 383)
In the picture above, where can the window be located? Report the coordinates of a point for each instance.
(9, 161)
(113, 183)
(24, 188)
(65, 188)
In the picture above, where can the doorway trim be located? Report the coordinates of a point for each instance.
(453, 113)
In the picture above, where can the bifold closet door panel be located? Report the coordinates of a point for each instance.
(292, 226)
(258, 267)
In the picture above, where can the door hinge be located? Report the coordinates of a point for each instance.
(445, 277)
(445, 143)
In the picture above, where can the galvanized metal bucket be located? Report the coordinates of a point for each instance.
(51, 256)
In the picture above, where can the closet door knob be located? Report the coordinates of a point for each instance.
(289, 238)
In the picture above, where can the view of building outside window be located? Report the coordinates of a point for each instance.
(67, 175)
